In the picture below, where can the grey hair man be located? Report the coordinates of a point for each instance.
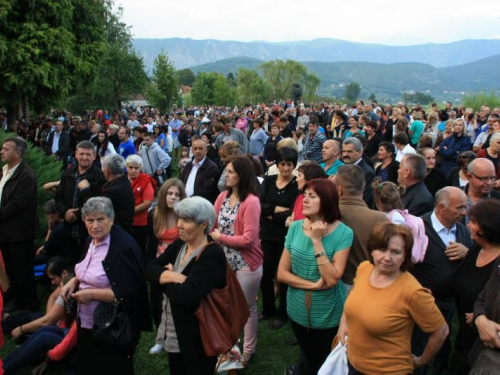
(119, 190)
(18, 221)
(352, 153)
(449, 241)
(411, 173)
(350, 182)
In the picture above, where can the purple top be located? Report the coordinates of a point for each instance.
(91, 275)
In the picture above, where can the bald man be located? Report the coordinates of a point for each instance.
(331, 153)
(449, 242)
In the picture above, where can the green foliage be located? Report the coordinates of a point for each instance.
(283, 74)
(163, 91)
(212, 88)
(476, 101)
(46, 169)
(418, 97)
(120, 75)
(231, 80)
(186, 77)
(352, 91)
(252, 88)
(45, 46)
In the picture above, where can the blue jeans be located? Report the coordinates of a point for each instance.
(14, 321)
(33, 349)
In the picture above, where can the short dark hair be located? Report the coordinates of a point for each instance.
(416, 163)
(284, 119)
(57, 265)
(352, 179)
(485, 214)
(20, 144)
(287, 154)
(311, 171)
(382, 233)
(325, 189)
(389, 147)
(50, 208)
(225, 120)
(401, 138)
(86, 145)
(246, 173)
(259, 122)
(127, 130)
(372, 124)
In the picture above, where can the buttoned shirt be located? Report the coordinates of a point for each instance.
(7, 174)
(446, 235)
(192, 177)
(90, 272)
(55, 142)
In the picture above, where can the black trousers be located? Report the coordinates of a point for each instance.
(272, 255)
(179, 365)
(316, 345)
(99, 358)
(19, 258)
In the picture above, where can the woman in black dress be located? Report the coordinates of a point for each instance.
(435, 179)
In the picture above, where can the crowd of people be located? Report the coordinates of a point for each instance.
(374, 225)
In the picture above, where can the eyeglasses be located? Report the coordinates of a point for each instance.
(485, 179)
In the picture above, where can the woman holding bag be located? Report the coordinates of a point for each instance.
(237, 230)
(186, 280)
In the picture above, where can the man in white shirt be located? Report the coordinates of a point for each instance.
(402, 146)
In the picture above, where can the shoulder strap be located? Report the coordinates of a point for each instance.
(149, 161)
(202, 250)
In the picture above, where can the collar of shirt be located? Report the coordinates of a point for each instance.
(10, 172)
(195, 164)
(106, 242)
(438, 227)
(359, 161)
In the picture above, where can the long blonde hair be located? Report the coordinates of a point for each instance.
(160, 215)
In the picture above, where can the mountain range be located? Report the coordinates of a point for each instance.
(185, 52)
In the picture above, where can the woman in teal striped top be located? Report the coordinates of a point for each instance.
(312, 264)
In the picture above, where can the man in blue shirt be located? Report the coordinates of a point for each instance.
(126, 147)
(176, 126)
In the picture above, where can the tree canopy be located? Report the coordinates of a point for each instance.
(163, 91)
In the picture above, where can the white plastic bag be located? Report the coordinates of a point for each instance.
(229, 361)
(336, 363)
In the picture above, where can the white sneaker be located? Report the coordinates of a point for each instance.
(157, 348)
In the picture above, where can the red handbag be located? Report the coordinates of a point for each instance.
(222, 315)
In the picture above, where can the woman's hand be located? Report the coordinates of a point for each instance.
(16, 332)
(83, 296)
(342, 332)
(215, 234)
(318, 230)
(417, 361)
(169, 276)
(68, 289)
(320, 285)
(488, 331)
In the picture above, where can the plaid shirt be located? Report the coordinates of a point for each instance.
(313, 147)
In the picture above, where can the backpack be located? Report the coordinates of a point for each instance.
(420, 239)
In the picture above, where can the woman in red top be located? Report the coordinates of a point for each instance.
(162, 231)
(143, 187)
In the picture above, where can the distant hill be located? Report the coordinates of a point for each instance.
(386, 80)
(189, 52)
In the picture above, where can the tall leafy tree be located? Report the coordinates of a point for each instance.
(44, 46)
(186, 77)
(283, 74)
(163, 91)
(252, 88)
(352, 91)
(212, 88)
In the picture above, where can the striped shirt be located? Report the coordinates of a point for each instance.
(327, 305)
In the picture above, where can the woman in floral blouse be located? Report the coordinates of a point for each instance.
(237, 230)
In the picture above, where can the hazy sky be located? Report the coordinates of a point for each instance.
(371, 21)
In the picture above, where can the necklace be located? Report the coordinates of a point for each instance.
(483, 260)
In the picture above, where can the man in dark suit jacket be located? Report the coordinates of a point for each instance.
(449, 242)
(61, 150)
(18, 222)
(417, 199)
(352, 153)
(119, 190)
(200, 176)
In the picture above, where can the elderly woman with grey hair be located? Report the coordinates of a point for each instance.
(185, 281)
(143, 187)
(118, 189)
(110, 273)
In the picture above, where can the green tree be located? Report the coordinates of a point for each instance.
(352, 91)
(163, 91)
(224, 94)
(479, 99)
(283, 74)
(417, 97)
(231, 80)
(45, 46)
(252, 88)
(186, 77)
(372, 96)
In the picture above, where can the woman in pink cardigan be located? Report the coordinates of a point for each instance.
(237, 230)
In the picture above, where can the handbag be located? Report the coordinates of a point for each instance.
(160, 179)
(487, 363)
(336, 362)
(111, 324)
(222, 314)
